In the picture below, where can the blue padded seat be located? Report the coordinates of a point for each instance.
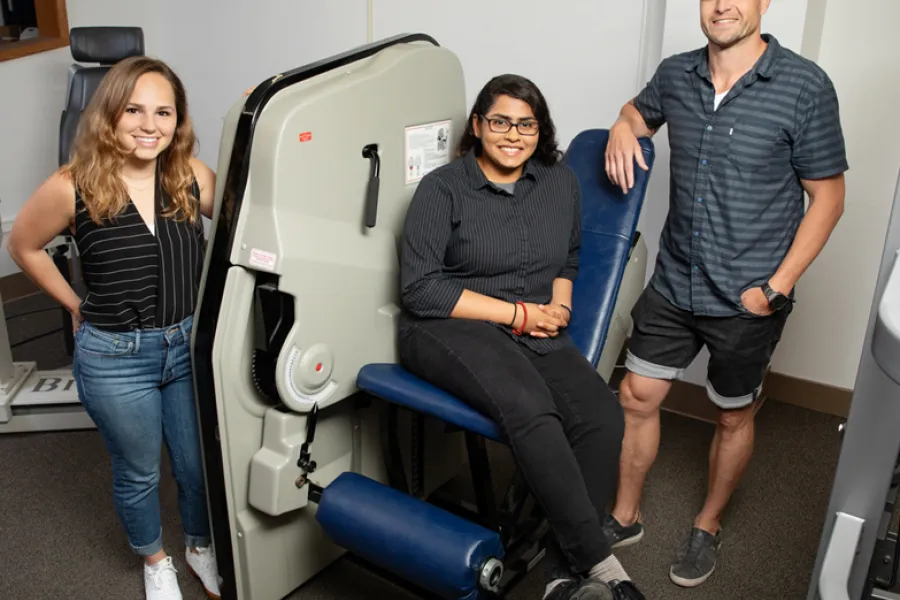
(393, 382)
(609, 222)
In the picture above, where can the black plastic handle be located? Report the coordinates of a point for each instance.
(371, 152)
(311, 424)
(305, 461)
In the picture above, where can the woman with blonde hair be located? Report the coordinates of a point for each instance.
(132, 196)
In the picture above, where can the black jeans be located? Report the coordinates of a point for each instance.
(563, 423)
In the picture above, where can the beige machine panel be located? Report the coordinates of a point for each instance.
(303, 218)
(304, 209)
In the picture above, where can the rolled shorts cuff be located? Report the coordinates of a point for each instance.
(149, 549)
(639, 366)
(731, 402)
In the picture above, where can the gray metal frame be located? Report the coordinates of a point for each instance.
(856, 520)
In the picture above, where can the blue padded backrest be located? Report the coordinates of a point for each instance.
(609, 222)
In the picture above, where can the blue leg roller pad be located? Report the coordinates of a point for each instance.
(422, 543)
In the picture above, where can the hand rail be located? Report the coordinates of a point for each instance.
(834, 578)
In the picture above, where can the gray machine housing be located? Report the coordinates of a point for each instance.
(306, 238)
(301, 220)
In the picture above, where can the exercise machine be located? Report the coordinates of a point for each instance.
(316, 443)
(857, 558)
(31, 399)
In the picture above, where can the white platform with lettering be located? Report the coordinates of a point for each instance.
(35, 400)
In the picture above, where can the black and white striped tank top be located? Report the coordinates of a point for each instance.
(137, 278)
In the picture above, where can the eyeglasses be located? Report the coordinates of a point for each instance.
(498, 125)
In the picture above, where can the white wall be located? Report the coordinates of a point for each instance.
(217, 53)
(856, 47)
(29, 129)
(587, 69)
(591, 65)
(682, 32)
(582, 57)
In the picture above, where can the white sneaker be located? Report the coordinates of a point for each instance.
(203, 565)
(161, 581)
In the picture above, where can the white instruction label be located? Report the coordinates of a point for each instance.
(262, 259)
(427, 148)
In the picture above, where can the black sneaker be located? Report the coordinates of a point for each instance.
(626, 590)
(619, 536)
(581, 589)
(696, 558)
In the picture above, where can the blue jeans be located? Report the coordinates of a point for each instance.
(138, 388)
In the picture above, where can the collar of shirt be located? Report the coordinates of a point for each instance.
(478, 179)
(763, 67)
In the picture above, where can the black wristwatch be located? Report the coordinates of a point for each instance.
(777, 300)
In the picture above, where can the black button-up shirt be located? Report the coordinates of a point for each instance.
(735, 197)
(464, 232)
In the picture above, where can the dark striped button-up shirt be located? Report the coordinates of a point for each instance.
(138, 279)
(735, 198)
(507, 242)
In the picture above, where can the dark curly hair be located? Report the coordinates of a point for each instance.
(524, 89)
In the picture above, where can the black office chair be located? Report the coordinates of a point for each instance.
(103, 47)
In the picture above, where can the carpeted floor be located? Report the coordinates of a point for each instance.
(61, 538)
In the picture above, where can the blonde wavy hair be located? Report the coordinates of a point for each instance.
(97, 157)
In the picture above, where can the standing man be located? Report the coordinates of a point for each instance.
(751, 126)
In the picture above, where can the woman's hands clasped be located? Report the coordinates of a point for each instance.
(542, 320)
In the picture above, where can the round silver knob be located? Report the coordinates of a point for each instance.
(491, 574)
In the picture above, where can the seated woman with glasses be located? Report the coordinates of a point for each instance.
(489, 254)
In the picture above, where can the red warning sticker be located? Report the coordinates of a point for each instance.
(306, 136)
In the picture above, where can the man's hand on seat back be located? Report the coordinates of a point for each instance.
(622, 150)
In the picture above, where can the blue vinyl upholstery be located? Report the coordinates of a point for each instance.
(424, 544)
(393, 382)
(609, 222)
